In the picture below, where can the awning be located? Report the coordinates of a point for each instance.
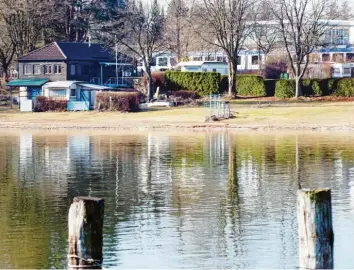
(94, 86)
(27, 82)
(60, 84)
(114, 63)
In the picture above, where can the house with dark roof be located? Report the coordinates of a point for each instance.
(67, 61)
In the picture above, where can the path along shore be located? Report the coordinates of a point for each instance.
(331, 116)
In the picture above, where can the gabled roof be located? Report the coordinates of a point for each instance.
(27, 82)
(71, 51)
(49, 52)
(86, 51)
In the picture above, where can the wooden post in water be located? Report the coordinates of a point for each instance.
(85, 233)
(315, 229)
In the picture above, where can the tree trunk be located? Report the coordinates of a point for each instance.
(149, 89)
(232, 91)
(298, 92)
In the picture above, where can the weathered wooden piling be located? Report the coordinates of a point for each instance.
(315, 229)
(85, 233)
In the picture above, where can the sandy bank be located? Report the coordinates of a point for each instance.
(320, 116)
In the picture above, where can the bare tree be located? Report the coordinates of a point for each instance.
(340, 10)
(177, 27)
(265, 35)
(265, 38)
(224, 24)
(23, 21)
(7, 50)
(302, 25)
(137, 30)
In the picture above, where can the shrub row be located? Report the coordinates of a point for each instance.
(204, 83)
(247, 85)
(118, 101)
(44, 104)
(316, 87)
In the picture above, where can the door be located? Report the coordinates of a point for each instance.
(85, 95)
(34, 92)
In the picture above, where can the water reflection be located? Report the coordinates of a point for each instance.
(194, 200)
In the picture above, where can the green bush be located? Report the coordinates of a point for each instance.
(247, 85)
(345, 88)
(204, 83)
(285, 88)
(117, 101)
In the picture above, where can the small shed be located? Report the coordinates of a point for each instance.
(80, 95)
(29, 89)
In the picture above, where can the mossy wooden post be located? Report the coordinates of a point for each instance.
(85, 233)
(315, 229)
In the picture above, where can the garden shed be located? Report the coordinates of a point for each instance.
(29, 89)
(79, 95)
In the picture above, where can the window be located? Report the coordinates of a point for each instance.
(326, 57)
(36, 69)
(197, 58)
(73, 92)
(57, 93)
(86, 69)
(173, 61)
(209, 58)
(48, 69)
(221, 59)
(339, 36)
(72, 69)
(350, 57)
(238, 60)
(346, 71)
(338, 57)
(214, 69)
(57, 69)
(336, 70)
(27, 69)
(205, 70)
(162, 61)
(255, 60)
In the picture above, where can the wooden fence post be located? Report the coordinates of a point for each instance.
(315, 229)
(85, 233)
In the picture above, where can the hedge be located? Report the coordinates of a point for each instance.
(118, 101)
(44, 104)
(247, 85)
(285, 88)
(345, 88)
(204, 83)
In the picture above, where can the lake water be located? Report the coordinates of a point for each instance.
(172, 200)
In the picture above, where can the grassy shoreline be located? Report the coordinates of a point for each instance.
(250, 116)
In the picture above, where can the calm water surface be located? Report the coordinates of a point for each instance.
(193, 200)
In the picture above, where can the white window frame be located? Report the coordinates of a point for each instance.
(257, 61)
(39, 69)
(27, 69)
(55, 69)
(46, 69)
(161, 61)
